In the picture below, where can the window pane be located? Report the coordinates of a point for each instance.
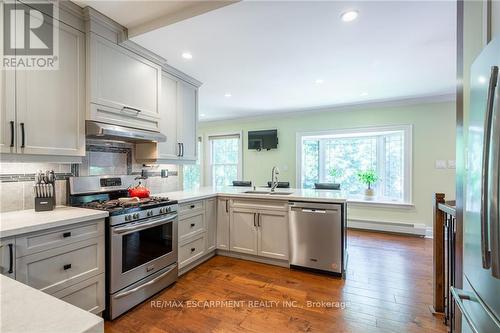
(225, 151)
(192, 172)
(393, 177)
(223, 175)
(345, 157)
(310, 163)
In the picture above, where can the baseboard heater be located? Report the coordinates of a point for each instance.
(403, 228)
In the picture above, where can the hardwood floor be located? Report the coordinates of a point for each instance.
(388, 289)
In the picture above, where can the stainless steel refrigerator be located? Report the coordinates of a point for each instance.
(479, 300)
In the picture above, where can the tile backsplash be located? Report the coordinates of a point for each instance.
(16, 186)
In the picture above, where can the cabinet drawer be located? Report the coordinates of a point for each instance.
(87, 295)
(272, 204)
(191, 251)
(191, 226)
(55, 269)
(58, 237)
(190, 207)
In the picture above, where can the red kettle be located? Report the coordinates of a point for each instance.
(139, 191)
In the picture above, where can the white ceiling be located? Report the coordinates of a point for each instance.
(140, 16)
(268, 54)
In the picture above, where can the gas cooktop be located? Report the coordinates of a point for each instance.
(128, 205)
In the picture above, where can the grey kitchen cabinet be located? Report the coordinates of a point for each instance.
(273, 234)
(211, 223)
(260, 228)
(124, 86)
(187, 121)
(191, 251)
(36, 102)
(178, 121)
(8, 257)
(243, 231)
(66, 262)
(222, 241)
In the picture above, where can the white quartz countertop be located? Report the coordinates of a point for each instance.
(24, 221)
(327, 196)
(25, 309)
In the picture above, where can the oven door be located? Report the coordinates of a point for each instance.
(141, 248)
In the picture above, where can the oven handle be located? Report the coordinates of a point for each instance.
(156, 279)
(142, 226)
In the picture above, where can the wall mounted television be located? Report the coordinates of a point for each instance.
(266, 139)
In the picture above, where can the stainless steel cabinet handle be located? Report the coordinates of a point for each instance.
(182, 150)
(22, 135)
(485, 248)
(459, 296)
(255, 219)
(179, 151)
(156, 279)
(314, 211)
(130, 109)
(494, 169)
(227, 210)
(11, 134)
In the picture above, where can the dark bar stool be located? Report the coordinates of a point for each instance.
(326, 186)
(244, 183)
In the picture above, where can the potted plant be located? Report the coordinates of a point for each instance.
(368, 177)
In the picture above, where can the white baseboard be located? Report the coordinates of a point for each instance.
(417, 229)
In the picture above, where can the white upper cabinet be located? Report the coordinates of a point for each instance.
(42, 112)
(178, 121)
(51, 103)
(168, 117)
(7, 111)
(187, 120)
(124, 86)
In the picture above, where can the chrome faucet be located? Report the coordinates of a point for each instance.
(274, 178)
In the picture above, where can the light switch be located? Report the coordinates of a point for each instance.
(441, 164)
(451, 164)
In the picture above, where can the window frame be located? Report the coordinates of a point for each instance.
(407, 130)
(208, 169)
(199, 160)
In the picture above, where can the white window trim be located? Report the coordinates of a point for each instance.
(207, 160)
(407, 159)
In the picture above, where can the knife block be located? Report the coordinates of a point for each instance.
(44, 204)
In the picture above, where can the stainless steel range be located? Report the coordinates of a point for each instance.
(141, 239)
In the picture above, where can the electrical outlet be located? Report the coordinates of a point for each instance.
(451, 164)
(164, 173)
(441, 164)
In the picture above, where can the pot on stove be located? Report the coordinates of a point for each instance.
(139, 191)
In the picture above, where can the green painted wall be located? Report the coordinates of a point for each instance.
(433, 138)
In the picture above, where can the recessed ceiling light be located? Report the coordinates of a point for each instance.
(349, 15)
(228, 95)
(187, 55)
(319, 81)
(364, 94)
(482, 79)
(202, 115)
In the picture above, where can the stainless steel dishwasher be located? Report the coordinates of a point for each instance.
(318, 237)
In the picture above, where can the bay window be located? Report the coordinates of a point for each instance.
(338, 157)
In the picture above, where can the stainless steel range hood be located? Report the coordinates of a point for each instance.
(104, 131)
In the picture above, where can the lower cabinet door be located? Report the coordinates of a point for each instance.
(273, 234)
(243, 230)
(211, 223)
(223, 223)
(87, 295)
(8, 257)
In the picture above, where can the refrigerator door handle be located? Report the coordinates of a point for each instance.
(459, 296)
(485, 247)
(494, 169)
